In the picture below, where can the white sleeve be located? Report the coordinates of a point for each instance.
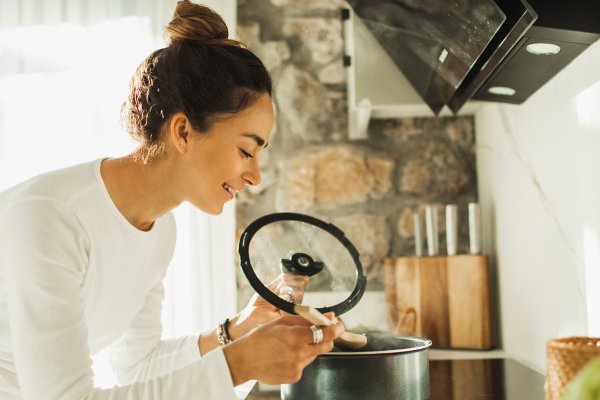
(42, 265)
(140, 354)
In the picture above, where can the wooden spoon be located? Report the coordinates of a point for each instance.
(348, 340)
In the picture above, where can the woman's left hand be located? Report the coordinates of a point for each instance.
(288, 286)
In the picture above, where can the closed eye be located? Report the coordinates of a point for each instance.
(245, 154)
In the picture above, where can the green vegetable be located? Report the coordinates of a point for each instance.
(586, 384)
(361, 329)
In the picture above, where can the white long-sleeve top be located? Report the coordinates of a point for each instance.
(75, 277)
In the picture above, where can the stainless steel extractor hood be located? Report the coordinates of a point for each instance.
(454, 51)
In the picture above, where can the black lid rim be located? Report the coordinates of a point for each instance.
(264, 292)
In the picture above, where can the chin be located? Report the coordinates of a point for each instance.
(209, 209)
(215, 211)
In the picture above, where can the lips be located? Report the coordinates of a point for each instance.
(229, 189)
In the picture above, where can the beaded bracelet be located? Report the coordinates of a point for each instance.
(222, 333)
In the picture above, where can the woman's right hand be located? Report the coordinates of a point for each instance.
(278, 351)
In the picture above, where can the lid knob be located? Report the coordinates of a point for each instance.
(302, 264)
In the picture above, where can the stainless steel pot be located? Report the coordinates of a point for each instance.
(388, 367)
(399, 374)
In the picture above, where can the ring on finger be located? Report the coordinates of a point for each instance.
(317, 334)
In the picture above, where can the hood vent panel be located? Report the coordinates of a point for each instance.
(435, 44)
(452, 52)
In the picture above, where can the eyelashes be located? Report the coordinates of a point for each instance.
(245, 154)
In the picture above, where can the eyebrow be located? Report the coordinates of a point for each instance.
(259, 141)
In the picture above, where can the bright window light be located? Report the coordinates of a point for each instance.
(61, 106)
(66, 94)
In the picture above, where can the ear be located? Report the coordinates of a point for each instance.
(180, 131)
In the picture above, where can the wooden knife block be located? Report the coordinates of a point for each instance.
(442, 298)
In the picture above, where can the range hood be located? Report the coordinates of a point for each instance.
(452, 51)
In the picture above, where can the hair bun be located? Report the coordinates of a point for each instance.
(198, 24)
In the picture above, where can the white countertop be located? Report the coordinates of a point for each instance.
(451, 354)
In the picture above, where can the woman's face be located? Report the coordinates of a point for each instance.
(222, 161)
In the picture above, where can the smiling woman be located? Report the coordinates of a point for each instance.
(224, 158)
(84, 249)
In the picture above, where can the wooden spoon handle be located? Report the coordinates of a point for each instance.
(312, 315)
(350, 340)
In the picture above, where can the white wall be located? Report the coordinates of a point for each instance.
(539, 184)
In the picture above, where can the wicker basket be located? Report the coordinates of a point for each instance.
(565, 357)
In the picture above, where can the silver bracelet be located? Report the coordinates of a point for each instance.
(222, 333)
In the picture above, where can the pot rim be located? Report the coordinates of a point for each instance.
(426, 343)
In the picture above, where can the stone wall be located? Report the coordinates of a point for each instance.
(370, 189)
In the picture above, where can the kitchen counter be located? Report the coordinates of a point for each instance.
(462, 375)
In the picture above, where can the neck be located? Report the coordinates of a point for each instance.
(140, 191)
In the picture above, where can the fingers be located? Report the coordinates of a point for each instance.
(291, 287)
(291, 338)
(290, 319)
(286, 293)
(296, 280)
(285, 286)
(274, 285)
(329, 332)
(323, 348)
(331, 315)
(304, 335)
(321, 338)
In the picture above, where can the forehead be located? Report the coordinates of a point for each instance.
(255, 122)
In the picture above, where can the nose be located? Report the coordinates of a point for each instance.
(252, 175)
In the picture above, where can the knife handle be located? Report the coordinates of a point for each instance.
(474, 228)
(431, 222)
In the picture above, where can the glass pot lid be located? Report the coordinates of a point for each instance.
(291, 258)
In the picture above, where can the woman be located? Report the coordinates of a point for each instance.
(83, 250)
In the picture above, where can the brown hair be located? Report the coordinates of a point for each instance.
(201, 73)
